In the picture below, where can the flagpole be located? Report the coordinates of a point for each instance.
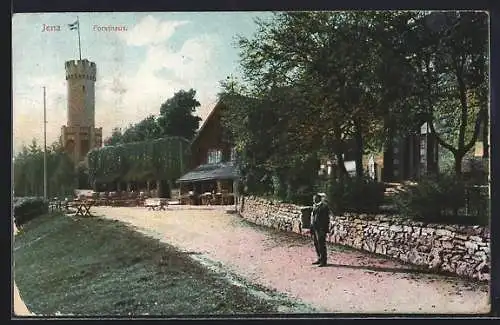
(44, 146)
(79, 43)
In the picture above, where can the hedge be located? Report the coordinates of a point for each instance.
(28, 208)
(139, 161)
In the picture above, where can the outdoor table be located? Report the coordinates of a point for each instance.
(83, 207)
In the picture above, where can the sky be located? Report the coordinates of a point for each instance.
(137, 69)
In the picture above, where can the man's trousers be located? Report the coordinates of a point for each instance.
(319, 238)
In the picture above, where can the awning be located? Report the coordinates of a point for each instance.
(211, 172)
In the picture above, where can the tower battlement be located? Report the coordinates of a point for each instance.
(80, 69)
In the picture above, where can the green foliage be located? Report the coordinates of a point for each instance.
(176, 115)
(442, 200)
(310, 85)
(431, 198)
(313, 74)
(82, 173)
(138, 161)
(354, 195)
(115, 138)
(28, 208)
(175, 119)
(28, 171)
(449, 54)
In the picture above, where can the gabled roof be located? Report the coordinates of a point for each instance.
(217, 108)
(207, 172)
(205, 123)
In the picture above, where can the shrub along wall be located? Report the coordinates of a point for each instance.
(462, 250)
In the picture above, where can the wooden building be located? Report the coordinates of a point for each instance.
(213, 173)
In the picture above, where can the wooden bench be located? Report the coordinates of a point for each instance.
(155, 204)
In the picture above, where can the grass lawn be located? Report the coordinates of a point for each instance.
(91, 266)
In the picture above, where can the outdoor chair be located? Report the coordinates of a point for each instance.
(206, 198)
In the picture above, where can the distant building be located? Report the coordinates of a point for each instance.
(80, 135)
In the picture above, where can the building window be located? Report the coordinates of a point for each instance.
(214, 156)
(233, 154)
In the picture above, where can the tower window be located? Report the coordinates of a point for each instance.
(83, 88)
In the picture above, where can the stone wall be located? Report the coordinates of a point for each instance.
(462, 250)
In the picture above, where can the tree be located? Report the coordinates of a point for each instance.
(325, 87)
(148, 129)
(176, 115)
(64, 176)
(449, 55)
(115, 138)
(176, 119)
(28, 171)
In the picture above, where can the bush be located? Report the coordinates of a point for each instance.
(302, 196)
(443, 199)
(355, 195)
(28, 208)
(478, 204)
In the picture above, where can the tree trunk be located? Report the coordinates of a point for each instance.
(458, 165)
(388, 160)
(170, 188)
(159, 192)
(358, 137)
(486, 148)
(342, 172)
(289, 189)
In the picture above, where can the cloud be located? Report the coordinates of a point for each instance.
(28, 109)
(128, 98)
(190, 63)
(125, 96)
(151, 31)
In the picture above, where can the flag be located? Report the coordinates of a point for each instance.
(73, 26)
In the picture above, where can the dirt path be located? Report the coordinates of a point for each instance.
(354, 282)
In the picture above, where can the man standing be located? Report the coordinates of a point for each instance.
(320, 223)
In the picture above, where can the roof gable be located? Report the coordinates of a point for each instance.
(207, 121)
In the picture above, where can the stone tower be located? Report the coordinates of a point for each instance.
(80, 134)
